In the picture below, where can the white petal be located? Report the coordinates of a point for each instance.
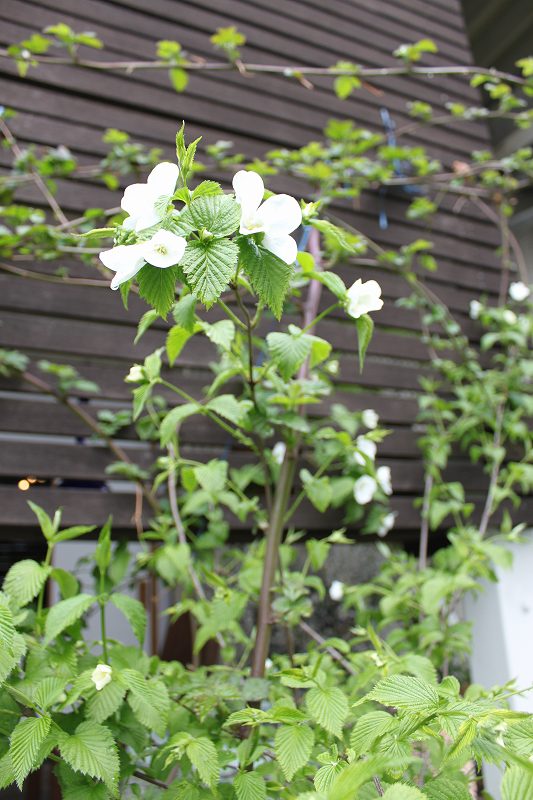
(280, 214)
(126, 260)
(364, 489)
(249, 190)
(135, 198)
(148, 218)
(518, 291)
(283, 247)
(164, 249)
(162, 179)
(363, 298)
(383, 474)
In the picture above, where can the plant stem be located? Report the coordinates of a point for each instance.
(331, 650)
(40, 601)
(102, 619)
(495, 471)
(234, 318)
(424, 525)
(323, 314)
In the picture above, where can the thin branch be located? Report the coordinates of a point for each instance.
(41, 276)
(148, 779)
(333, 652)
(424, 524)
(495, 471)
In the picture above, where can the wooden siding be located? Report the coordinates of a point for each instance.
(88, 327)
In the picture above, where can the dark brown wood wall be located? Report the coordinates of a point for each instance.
(89, 328)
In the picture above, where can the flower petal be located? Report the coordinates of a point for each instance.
(135, 199)
(249, 190)
(283, 247)
(280, 214)
(125, 260)
(363, 298)
(164, 249)
(162, 179)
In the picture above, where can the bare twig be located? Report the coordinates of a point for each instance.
(333, 652)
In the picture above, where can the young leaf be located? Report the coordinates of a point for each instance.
(329, 707)
(318, 490)
(401, 791)
(25, 744)
(179, 78)
(209, 266)
(269, 275)
(249, 786)
(219, 214)
(134, 612)
(365, 328)
(293, 745)
(158, 287)
(7, 629)
(92, 751)
(104, 703)
(221, 333)
(326, 776)
(203, 755)
(517, 784)
(45, 523)
(184, 312)
(401, 691)
(65, 614)
(370, 727)
(148, 700)
(288, 351)
(24, 580)
(177, 338)
(227, 406)
(174, 418)
(147, 319)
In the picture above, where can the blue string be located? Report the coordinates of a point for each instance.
(399, 168)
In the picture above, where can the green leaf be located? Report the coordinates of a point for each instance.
(212, 476)
(203, 755)
(446, 787)
(45, 523)
(318, 490)
(400, 791)
(106, 702)
(73, 533)
(65, 614)
(293, 745)
(326, 776)
(177, 338)
(147, 319)
(218, 214)
(48, 691)
(356, 774)
(184, 312)
(209, 266)
(227, 406)
(68, 584)
(269, 275)
(365, 328)
(206, 188)
(221, 333)
(134, 612)
(158, 287)
(249, 786)
(329, 707)
(179, 78)
(517, 784)
(25, 743)
(6, 772)
(370, 727)
(148, 700)
(174, 418)
(401, 691)
(92, 751)
(75, 786)
(140, 396)
(465, 736)
(288, 351)
(24, 580)
(102, 554)
(7, 629)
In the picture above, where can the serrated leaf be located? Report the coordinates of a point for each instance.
(212, 476)
(227, 406)
(92, 751)
(72, 533)
(174, 418)
(25, 743)
(140, 396)
(326, 776)
(401, 691)
(293, 745)
(365, 328)
(134, 612)
(209, 266)
(269, 275)
(517, 784)
(446, 787)
(68, 584)
(48, 691)
(318, 490)
(75, 786)
(221, 333)
(206, 188)
(350, 780)
(148, 700)
(24, 580)
(45, 523)
(7, 629)
(6, 772)
(177, 338)
(401, 791)
(329, 707)
(106, 702)
(465, 736)
(370, 727)
(219, 214)
(288, 351)
(184, 312)
(249, 786)
(147, 319)
(203, 755)
(158, 287)
(332, 281)
(65, 614)
(8, 662)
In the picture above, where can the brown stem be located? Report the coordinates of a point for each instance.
(306, 628)
(41, 276)
(144, 777)
(379, 788)
(91, 423)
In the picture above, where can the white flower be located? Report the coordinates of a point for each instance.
(163, 250)
(518, 291)
(363, 297)
(268, 663)
(278, 452)
(136, 374)
(366, 448)
(509, 317)
(277, 217)
(364, 489)
(101, 676)
(336, 591)
(384, 479)
(370, 418)
(143, 201)
(475, 309)
(387, 524)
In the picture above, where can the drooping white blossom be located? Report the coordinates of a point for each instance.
(278, 452)
(268, 663)
(366, 447)
(101, 676)
(475, 309)
(509, 316)
(386, 524)
(277, 217)
(518, 291)
(364, 489)
(363, 298)
(336, 591)
(163, 250)
(143, 201)
(370, 419)
(383, 476)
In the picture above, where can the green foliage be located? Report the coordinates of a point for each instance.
(209, 266)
